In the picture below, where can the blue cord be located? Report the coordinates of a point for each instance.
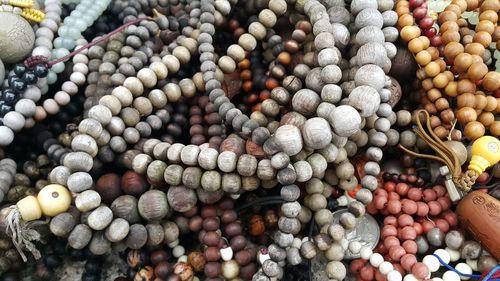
(458, 272)
(488, 276)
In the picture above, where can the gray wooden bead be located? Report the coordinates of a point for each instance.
(347, 220)
(339, 14)
(153, 205)
(280, 160)
(156, 235)
(174, 152)
(289, 139)
(390, 17)
(189, 155)
(336, 270)
(78, 161)
(356, 208)
(265, 171)
(313, 81)
(324, 40)
(290, 192)
(181, 199)
(62, 224)
(60, 175)
(328, 56)
(345, 120)
(293, 256)
(331, 93)
(191, 177)
(87, 200)
(14, 120)
(173, 174)
(291, 209)
(370, 75)
(207, 158)
(341, 35)
(359, 5)
(227, 161)
(79, 181)
(364, 196)
(247, 165)
(331, 74)
(372, 53)
(316, 133)
(100, 218)
(276, 252)
(100, 113)
(99, 245)
(90, 127)
(369, 16)
(125, 207)
(318, 165)
(270, 268)
(84, 143)
(80, 237)
(293, 118)
(117, 230)
(303, 170)
(365, 99)
(137, 236)
(286, 175)
(231, 183)
(211, 181)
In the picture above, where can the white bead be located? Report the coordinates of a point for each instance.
(366, 252)
(263, 257)
(451, 276)
(173, 243)
(182, 258)
(472, 264)
(453, 254)
(178, 251)
(410, 277)
(376, 259)
(463, 268)
(436, 279)
(344, 243)
(385, 267)
(226, 253)
(443, 254)
(354, 247)
(394, 276)
(296, 243)
(432, 263)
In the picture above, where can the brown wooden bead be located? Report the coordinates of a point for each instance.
(163, 270)
(238, 242)
(197, 261)
(184, 271)
(212, 254)
(256, 225)
(145, 274)
(108, 186)
(474, 130)
(133, 183)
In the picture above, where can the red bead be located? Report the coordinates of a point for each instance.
(408, 233)
(429, 195)
(416, 3)
(388, 230)
(410, 247)
(405, 220)
(367, 273)
(420, 270)
(426, 23)
(443, 225)
(414, 194)
(451, 218)
(422, 209)
(393, 196)
(402, 188)
(394, 206)
(391, 241)
(434, 208)
(409, 206)
(420, 12)
(440, 190)
(436, 41)
(396, 252)
(380, 202)
(357, 264)
(407, 261)
(391, 220)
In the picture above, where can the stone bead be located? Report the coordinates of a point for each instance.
(336, 270)
(345, 120)
(289, 139)
(247, 42)
(316, 133)
(370, 75)
(365, 99)
(247, 165)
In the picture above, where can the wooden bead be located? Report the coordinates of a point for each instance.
(474, 130)
(153, 205)
(289, 139)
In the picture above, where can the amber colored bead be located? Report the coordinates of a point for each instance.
(466, 86)
(466, 100)
(492, 5)
(409, 32)
(431, 108)
(441, 132)
(451, 89)
(495, 129)
(466, 115)
(284, 58)
(485, 25)
(433, 94)
(483, 38)
(454, 8)
(197, 261)
(448, 26)
(461, 3)
(496, 35)
(450, 36)
(491, 103)
(272, 83)
(474, 130)
(434, 121)
(462, 62)
(447, 116)
(477, 71)
(405, 20)
(489, 15)
(481, 101)
(472, 5)
(256, 225)
(486, 118)
(447, 16)
(244, 64)
(145, 274)
(432, 69)
(475, 49)
(462, 22)
(452, 50)
(442, 104)
(440, 81)
(401, 11)
(416, 45)
(491, 81)
(433, 51)
(467, 39)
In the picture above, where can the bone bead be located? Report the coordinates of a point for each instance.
(316, 133)
(87, 200)
(289, 139)
(365, 99)
(345, 120)
(100, 218)
(117, 230)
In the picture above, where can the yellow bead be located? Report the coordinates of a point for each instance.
(485, 153)
(29, 208)
(54, 199)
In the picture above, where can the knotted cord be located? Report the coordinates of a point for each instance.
(444, 154)
(22, 233)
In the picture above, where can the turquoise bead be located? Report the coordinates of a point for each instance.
(68, 43)
(73, 33)
(58, 67)
(52, 76)
(60, 52)
(58, 43)
(80, 24)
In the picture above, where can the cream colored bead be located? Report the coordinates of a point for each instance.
(227, 64)
(236, 52)
(173, 64)
(159, 69)
(134, 85)
(124, 95)
(258, 30)
(247, 41)
(147, 77)
(182, 53)
(111, 102)
(267, 18)
(278, 6)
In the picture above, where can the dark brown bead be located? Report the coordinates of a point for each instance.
(233, 229)
(196, 130)
(270, 219)
(208, 211)
(256, 225)
(243, 257)
(184, 271)
(229, 216)
(247, 271)
(211, 224)
(212, 254)
(136, 258)
(213, 118)
(197, 261)
(238, 242)
(133, 183)
(163, 269)
(226, 204)
(195, 110)
(158, 256)
(213, 269)
(211, 238)
(108, 186)
(195, 223)
(214, 130)
(198, 139)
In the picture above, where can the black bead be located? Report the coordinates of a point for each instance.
(13, 77)
(52, 261)
(90, 277)
(92, 267)
(41, 70)
(4, 108)
(8, 96)
(18, 86)
(29, 77)
(19, 69)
